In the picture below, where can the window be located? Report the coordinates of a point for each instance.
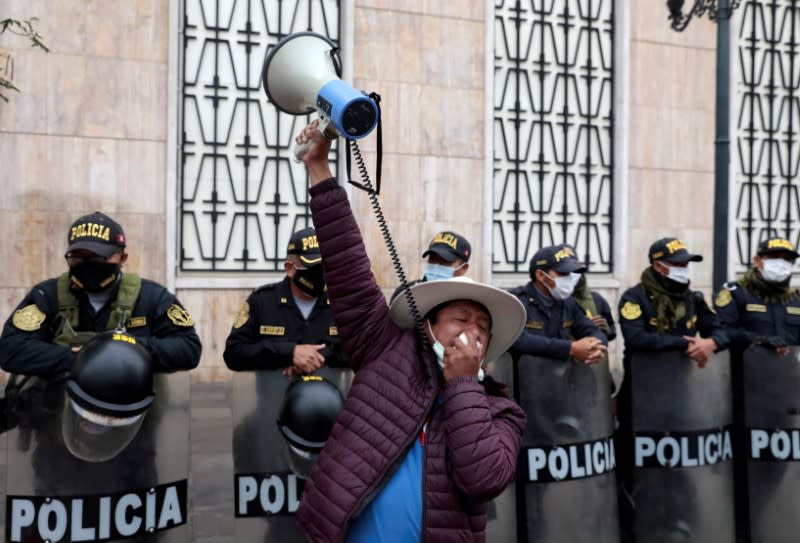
(767, 141)
(553, 131)
(240, 193)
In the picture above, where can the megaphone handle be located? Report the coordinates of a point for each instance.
(326, 129)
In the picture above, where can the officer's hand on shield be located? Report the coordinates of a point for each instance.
(316, 157)
(774, 343)
(307, 358)
(700, 349)
(588, 350)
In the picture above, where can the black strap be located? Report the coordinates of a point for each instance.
(352, 147)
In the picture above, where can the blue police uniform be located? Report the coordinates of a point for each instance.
(551, 327)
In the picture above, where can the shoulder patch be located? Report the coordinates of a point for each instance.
(179, 316)
(723, 298)
(631, 311)
(242, 316)
(29, 318)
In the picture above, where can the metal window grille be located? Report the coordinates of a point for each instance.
(241, 194)
(767, 143)
(553, 130)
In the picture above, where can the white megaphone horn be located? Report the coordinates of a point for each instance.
(301, 75)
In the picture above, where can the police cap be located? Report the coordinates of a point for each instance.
(671, 250)
(773, 246)
(561, 258)
(303, 243)
(449, 246)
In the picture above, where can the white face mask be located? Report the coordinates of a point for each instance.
(776, 270)
(679, 274)
(438, 350)
(565, 286)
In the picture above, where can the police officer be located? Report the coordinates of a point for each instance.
(761, 307)
(287, 325)
(59, 315)
(661, 313)
(447, 257)
(557, 327)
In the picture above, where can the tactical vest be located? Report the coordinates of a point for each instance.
(69, 308)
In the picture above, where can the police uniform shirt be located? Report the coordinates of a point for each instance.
(549, 331)
(158, 321)
(745, 316)
(637, 319)
(269, 325)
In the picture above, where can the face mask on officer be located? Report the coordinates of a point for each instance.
(679, 274)
(92, 275)
(564, 285)
(776, 270)
(437, 272)
(309, 280)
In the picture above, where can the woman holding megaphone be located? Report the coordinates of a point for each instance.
(423, 440)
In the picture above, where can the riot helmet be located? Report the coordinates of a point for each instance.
(109, 389)
(305, 419)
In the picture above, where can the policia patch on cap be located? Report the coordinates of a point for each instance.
(29, 318)
(179, 316)
(631, 311)
(242, 316)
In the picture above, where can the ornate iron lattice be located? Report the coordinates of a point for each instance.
(769, 117)
(241, 194)
(553, 130)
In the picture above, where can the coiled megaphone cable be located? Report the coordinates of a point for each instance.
(366, 186)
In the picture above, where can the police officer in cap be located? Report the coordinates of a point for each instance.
(557, 326)
(287, 325)
(447, 257)
(662, 313)
(59, 315)
(761, 307)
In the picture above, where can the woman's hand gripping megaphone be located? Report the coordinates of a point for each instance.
(316, 148)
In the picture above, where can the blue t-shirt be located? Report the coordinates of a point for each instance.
(395, 514)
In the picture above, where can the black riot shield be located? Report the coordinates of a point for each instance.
(566, 486)
(140, 494)
(772, 422)
(682, 476)
(266, 492)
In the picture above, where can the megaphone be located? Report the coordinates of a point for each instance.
(302, 74)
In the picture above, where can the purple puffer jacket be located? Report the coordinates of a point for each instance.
(473, 437)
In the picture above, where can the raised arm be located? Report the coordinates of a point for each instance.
(358, 304)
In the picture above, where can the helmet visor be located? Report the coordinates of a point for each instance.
(95, 437)
(300, 461)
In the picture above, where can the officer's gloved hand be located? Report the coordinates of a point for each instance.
(775, 343)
